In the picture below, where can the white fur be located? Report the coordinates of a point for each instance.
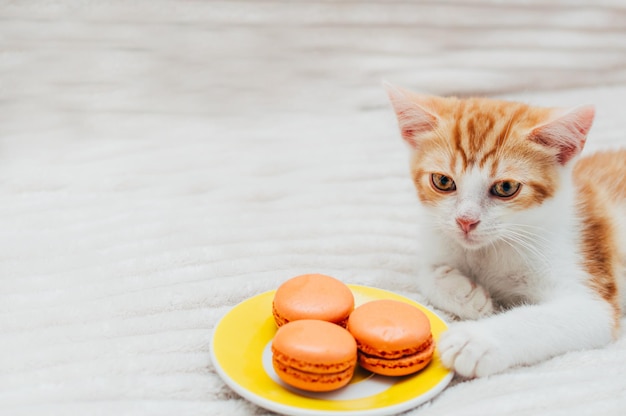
(535, 276)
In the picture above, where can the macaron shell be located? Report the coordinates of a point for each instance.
(318, 366)
(278, 318)
(399, 366)
(390, 327)
(311, 381)
(388, 353)
(314, 355)
(393, 338)
(312, 296)
(315, 344)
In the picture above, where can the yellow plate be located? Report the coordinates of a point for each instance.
(240, 351)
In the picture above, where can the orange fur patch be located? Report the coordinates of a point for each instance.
(601, 183)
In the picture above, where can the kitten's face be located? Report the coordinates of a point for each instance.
(479, 164)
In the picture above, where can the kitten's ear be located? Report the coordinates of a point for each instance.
(413, 116)
(566, 132)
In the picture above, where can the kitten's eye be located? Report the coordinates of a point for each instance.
(442, 182)
(505, 189)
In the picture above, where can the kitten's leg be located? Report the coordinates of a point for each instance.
(527, 335)
(448, 289)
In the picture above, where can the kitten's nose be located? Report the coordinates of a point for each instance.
(467, 224)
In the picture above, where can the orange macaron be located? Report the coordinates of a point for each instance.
(393, 337)
(313, 296)
(314, 355)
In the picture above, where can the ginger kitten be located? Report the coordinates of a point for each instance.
(522, 240)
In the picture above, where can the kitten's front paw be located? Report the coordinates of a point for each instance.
(467, 299)
(471, 350)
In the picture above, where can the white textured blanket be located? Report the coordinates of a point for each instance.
(161, 161)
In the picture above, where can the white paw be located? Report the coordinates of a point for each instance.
(467, 299)
(471, 350)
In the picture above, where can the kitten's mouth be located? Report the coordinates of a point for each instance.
(471, 240)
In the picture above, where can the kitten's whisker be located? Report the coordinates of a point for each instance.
(541, 229)
(526, 241)
(534, 236)
(530, 237)
(511, 238)
(514, 247)
(532, 240)
(522, 254)
(494, 246)
(506, 133)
